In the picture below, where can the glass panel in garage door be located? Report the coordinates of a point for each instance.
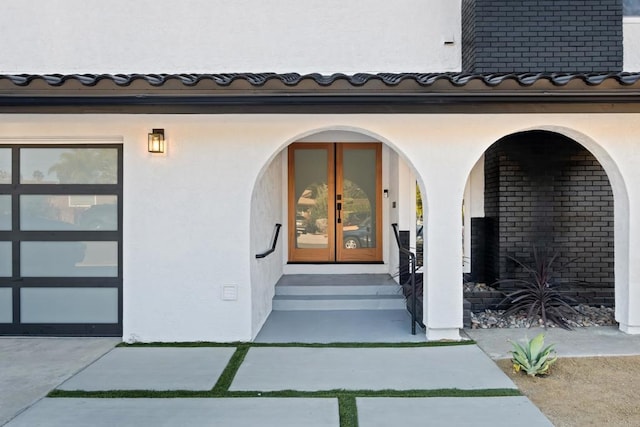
(69, 259)
(69, 212)
(5, 259)
(5, 166)
(5, 212)
(68, 166)
(69, 305)
(6, 305)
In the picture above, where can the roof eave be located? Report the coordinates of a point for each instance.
(272, 93)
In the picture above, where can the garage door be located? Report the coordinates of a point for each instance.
(61, 239)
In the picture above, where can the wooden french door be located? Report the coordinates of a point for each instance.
(335, 202)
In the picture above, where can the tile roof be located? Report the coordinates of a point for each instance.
(355, 80)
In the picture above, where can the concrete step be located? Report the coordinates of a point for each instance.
(337, 292)
(310, 290)
(338, 302)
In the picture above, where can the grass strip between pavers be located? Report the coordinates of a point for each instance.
(229, 372)
(301, 344)
(337, 393)
(348, 411)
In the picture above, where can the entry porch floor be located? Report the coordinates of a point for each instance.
(334, 326)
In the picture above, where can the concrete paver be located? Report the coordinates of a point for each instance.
(224, 412)
(309, 369)
(580, 342)
(449, 411)
(153, 368)
(31, 367)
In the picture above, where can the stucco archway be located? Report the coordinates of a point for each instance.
(268, 207)
(618, 232)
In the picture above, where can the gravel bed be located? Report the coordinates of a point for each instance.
(477, 287)
(586, 316)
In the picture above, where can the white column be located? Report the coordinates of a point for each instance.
(627, 274)
(443, 258)
(626, 196)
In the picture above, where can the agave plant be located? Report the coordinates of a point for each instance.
(533, 358)
(539, 296)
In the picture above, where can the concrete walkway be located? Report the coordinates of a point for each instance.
(31, 367)
(580, 342)
(283, 369)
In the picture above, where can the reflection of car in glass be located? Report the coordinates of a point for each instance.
(301, 224)
(100, 217)
(358, 236)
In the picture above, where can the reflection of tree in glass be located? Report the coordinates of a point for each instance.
(86, 166)
(419, 211)
(38, 175)
(5, 176)
(318, 211)
(357, 207)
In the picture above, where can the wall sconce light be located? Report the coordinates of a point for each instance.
(156, 141)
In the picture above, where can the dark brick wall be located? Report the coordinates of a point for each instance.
(478, 247)
(578, 36)
(468, 34)
(544, 189)
(481, 301)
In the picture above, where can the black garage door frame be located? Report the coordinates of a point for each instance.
(17, 282)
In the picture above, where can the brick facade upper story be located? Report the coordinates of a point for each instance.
(542, 36)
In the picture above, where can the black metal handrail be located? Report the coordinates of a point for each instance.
(412, 262)
(273, 244)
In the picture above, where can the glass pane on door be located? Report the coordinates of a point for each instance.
(311, 193)
(359, 198)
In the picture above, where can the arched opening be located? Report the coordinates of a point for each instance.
(276, 199)
(544, 190)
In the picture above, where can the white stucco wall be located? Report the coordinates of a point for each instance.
(631, 36)
(219, 36)
(266, 211)
(188, 214)
(393, 209)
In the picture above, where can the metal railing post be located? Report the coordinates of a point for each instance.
(412, 261)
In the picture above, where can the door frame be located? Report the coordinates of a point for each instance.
(335, 253)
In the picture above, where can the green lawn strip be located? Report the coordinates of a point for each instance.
(336, 393)
(300, 344)
(182, 344)
(348, 411)
(229, 372)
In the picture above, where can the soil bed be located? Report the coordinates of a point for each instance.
(585, 391)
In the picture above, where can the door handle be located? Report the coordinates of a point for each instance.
(339, 208)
